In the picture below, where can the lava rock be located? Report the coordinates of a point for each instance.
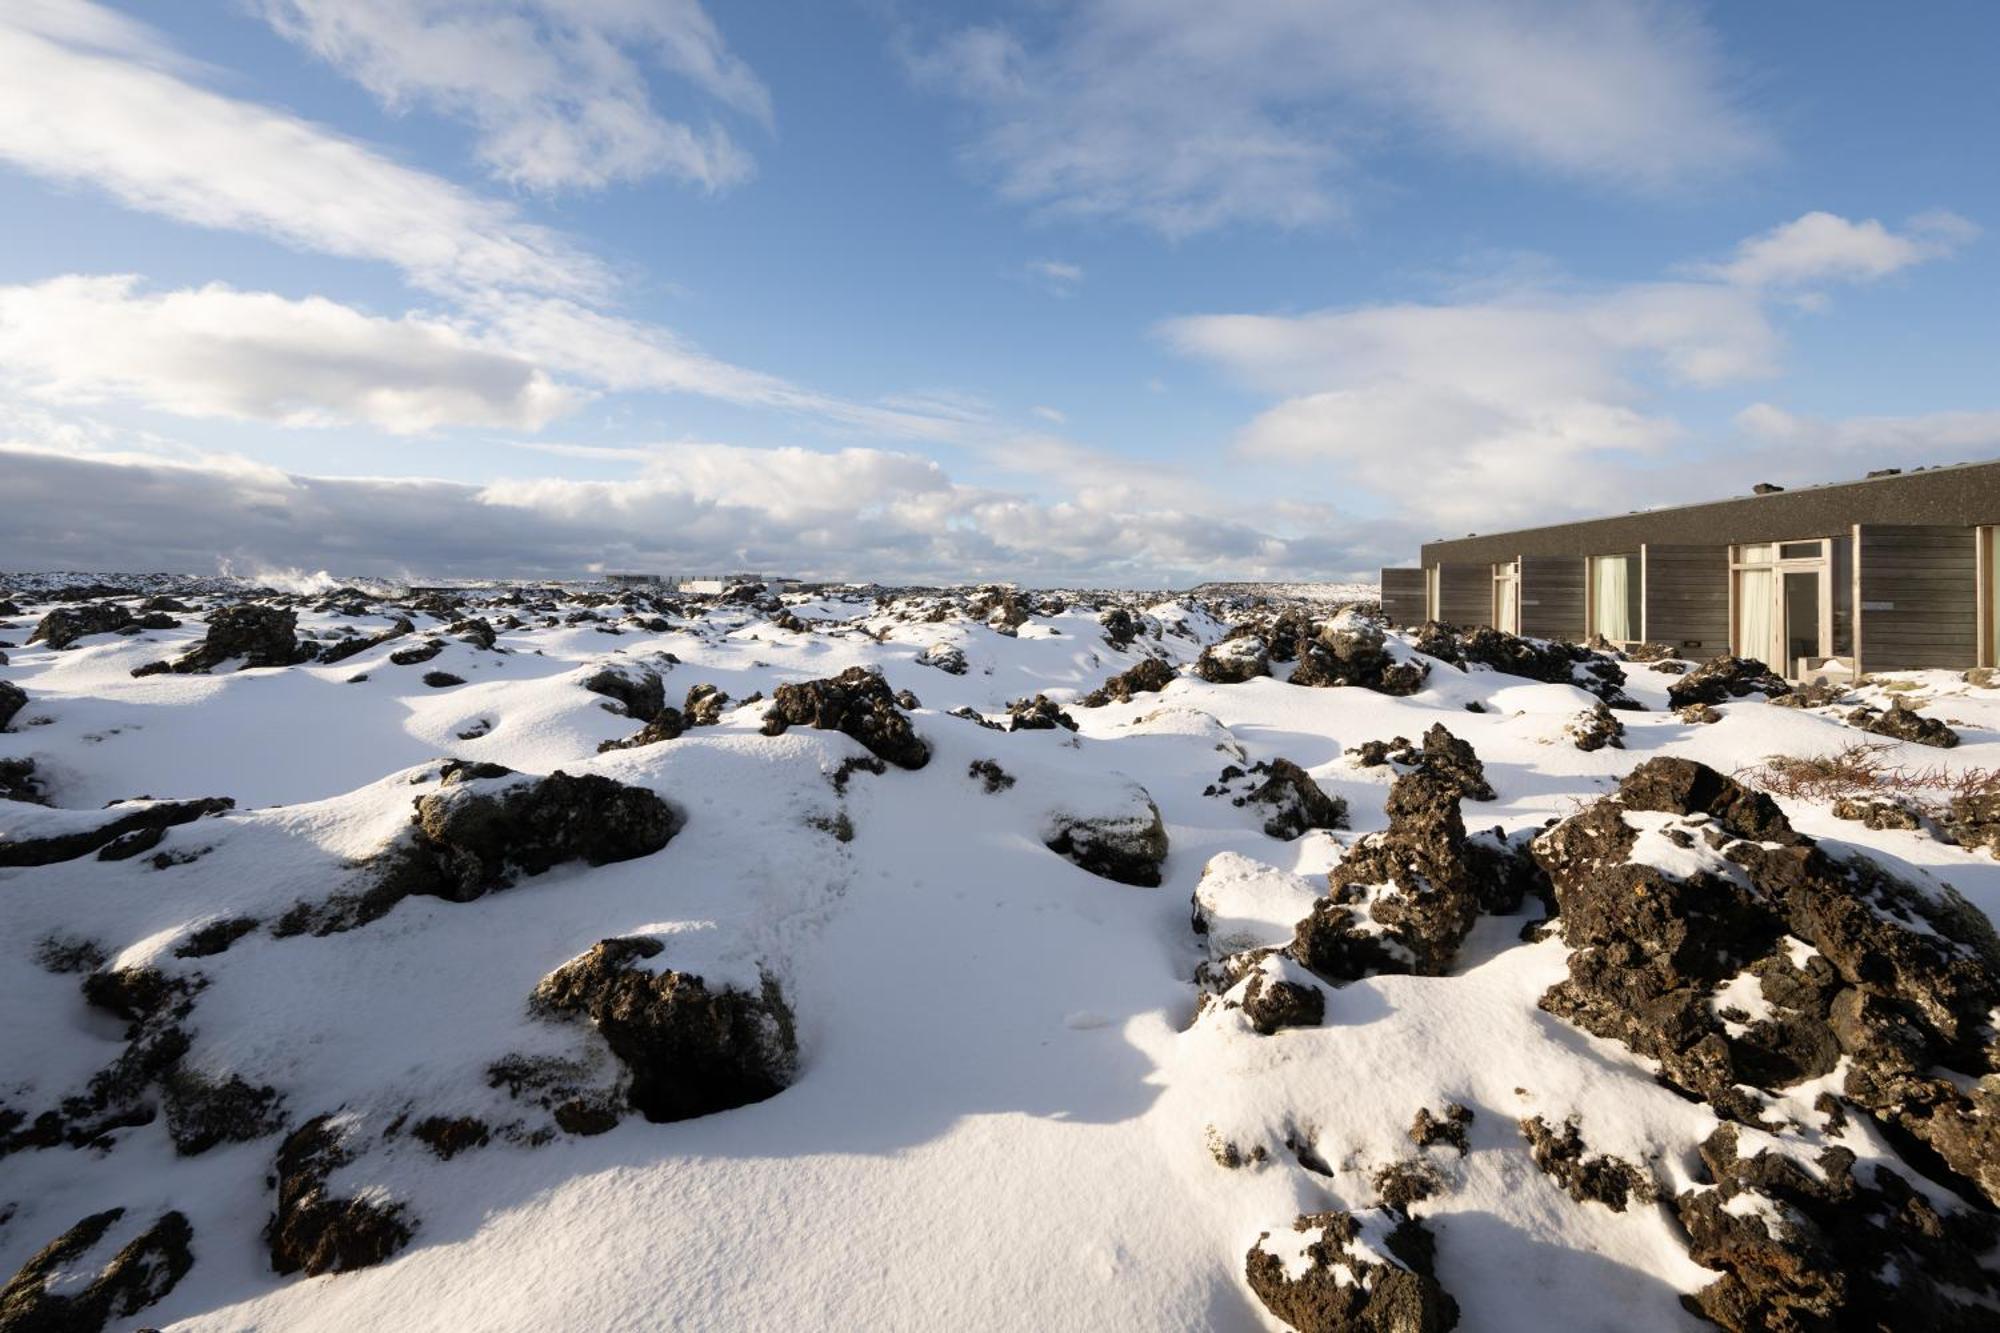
(689, 1050)
(314, 1231)
(1608, 1180)
(12, 700)
(1040, 713)
(1454, 760)
(1148, 677)
(47, 1296)
(1448, 1128)
(1366, 1272)
(666, 725)
(638, 690)
(1352, 649)
(442, 680)
(152, 815)
(1545, 660)
(1902, 723)
(479, 830)
(857, 703)
(1878, 814)
(1721, 679)
(262, 636)
(703, 705)
(66, 624)
(1295, 801)
(1128, 846)
(1233, 661)
(342, 649)
(1596, 728)
(946, 657)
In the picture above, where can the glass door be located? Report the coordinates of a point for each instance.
(1784, 609)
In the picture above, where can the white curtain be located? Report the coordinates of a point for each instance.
(1757, 616)
(1510, 611)
(1611, 593)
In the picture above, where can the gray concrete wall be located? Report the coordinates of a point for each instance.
(1687, 598)
(1552, 597)
(1919, 597)
(1403, 596)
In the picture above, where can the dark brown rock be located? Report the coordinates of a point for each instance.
(858, 703)
(140, 1274)
(1341, 1292)
(314, 1231)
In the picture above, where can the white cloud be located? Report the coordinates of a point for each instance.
(1823, 247)
(217, 352)
(857, 513)
(93, 99)
(1057, 277)
(1813, 444)
(1053, 415)
(1185, 114)
(556, 88)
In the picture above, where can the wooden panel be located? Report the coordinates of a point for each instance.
(1552, 598)
(1403, 596)
(1919, 598)
(1465, 595)
(1687, 598)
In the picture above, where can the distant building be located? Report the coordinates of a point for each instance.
(721, 583)
(642, 580)
(1894, 572)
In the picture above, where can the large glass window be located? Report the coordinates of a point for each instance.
(1614, 597)
(1784, 604)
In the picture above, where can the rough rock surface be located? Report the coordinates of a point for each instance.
(1899, 722)
(1148, 677)
(478, 831)
(858, 703)
(1878, 814)
(666, 725)
(1596, 728)
(150, 818)
(1233, 661)
(689, 1050)
(946, 657)
(261, 636)
(66, 624)
(704, 704)
(1367, 1272)
(1128, 846)
(1560, 1154)
(46, 1296)
(1453, 759)
(12, 700)
(1821, 1247)
(1899, 979)
(1352, 649)
(342, 649)
(1293, 801)
(1040, 713)
(1721, 679)
(314, 1231)
(638, 690)
(1546, 660)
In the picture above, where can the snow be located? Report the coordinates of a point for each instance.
(1005, 1099)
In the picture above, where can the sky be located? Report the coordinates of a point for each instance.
(1107, 292)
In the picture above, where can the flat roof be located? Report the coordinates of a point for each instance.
(1953, 494)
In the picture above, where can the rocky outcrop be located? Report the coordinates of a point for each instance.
(1040, 713)
(342, 649)
(1453, 759)
(148, 819)
(483, 827)
(1902, 723)
(1352, 649)
(1561, 1155)
(1546, 660)
(688, 1050)
(12, 700)
(1126, 842)
(1148, 677)
(1233, 661)
(260, 636)
(315, 1231)
(66, 624)
(666, 725)
(1363, 1272)
(1291, 801)
(1596, 728)
(1878, 814)
(637, 690)
(1814, 1244)
(858, 703)
(1684, 880)
(945, 657)
(48, 1295)
(704, 704)
(1721, 679)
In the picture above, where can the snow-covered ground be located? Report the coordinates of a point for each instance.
(1007, 1110)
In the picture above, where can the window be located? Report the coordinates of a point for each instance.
(1614, 598)
(1783, 604)
(1507, 597)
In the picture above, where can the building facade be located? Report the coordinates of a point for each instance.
(1894, 572)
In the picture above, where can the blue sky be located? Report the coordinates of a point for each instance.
(1118, 291)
